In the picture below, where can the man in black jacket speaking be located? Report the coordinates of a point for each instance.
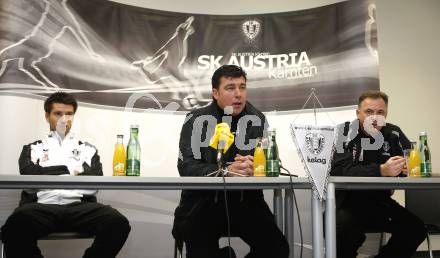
(44, 211)
(201, 218)
(370, 148)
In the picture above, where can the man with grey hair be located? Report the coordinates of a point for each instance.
(358, 212)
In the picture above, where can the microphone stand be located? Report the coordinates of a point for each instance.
(221, 171)
(224, 172)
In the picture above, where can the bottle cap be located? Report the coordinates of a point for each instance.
(423, 134)
(120, 136)
(134, 126)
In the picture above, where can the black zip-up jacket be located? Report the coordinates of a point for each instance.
(27, 167)
(356, 161)
(197, 129)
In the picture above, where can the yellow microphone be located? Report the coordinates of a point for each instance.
(222, 139)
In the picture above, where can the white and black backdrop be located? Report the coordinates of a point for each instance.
(104, 51)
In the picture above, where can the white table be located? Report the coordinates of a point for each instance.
(179, 183)
(365, 183)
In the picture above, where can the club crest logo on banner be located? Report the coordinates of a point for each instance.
(251, 29)
(314, 145)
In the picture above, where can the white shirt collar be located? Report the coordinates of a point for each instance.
(57, 136)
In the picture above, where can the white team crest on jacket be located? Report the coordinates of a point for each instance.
(76, 154)
(45, 156)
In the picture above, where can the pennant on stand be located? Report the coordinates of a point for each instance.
(314, 145)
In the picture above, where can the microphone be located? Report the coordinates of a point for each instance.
(222, 140)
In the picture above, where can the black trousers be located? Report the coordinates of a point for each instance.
(32, 221)
(357, 216)
(251, 220)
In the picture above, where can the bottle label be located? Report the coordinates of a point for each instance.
(119, 169)
(414, 171)
(259, 170)
(425, 168)
(133, 167)
(272, 168)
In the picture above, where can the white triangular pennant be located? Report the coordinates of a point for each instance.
(314, 145)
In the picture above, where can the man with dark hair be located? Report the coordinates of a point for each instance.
(62, 98)
(42, 212)
(227, 71)
(373, 94)
(201, 217)
(372, 148)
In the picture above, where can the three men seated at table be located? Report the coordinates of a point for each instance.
(202, 217)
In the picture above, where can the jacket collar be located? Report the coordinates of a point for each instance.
(385, 130)
(59, 138)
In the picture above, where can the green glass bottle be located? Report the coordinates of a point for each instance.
(425, 155)
(133, 153)
(272, 158)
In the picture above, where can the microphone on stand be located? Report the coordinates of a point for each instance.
(222, 140)
(220, 150)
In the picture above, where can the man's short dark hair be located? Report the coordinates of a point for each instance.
(373, 94)
(60, 97)
(232, 71)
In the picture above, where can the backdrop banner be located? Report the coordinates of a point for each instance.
(103, 52)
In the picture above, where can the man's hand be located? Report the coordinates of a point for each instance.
(243, 165)
(393, 166)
